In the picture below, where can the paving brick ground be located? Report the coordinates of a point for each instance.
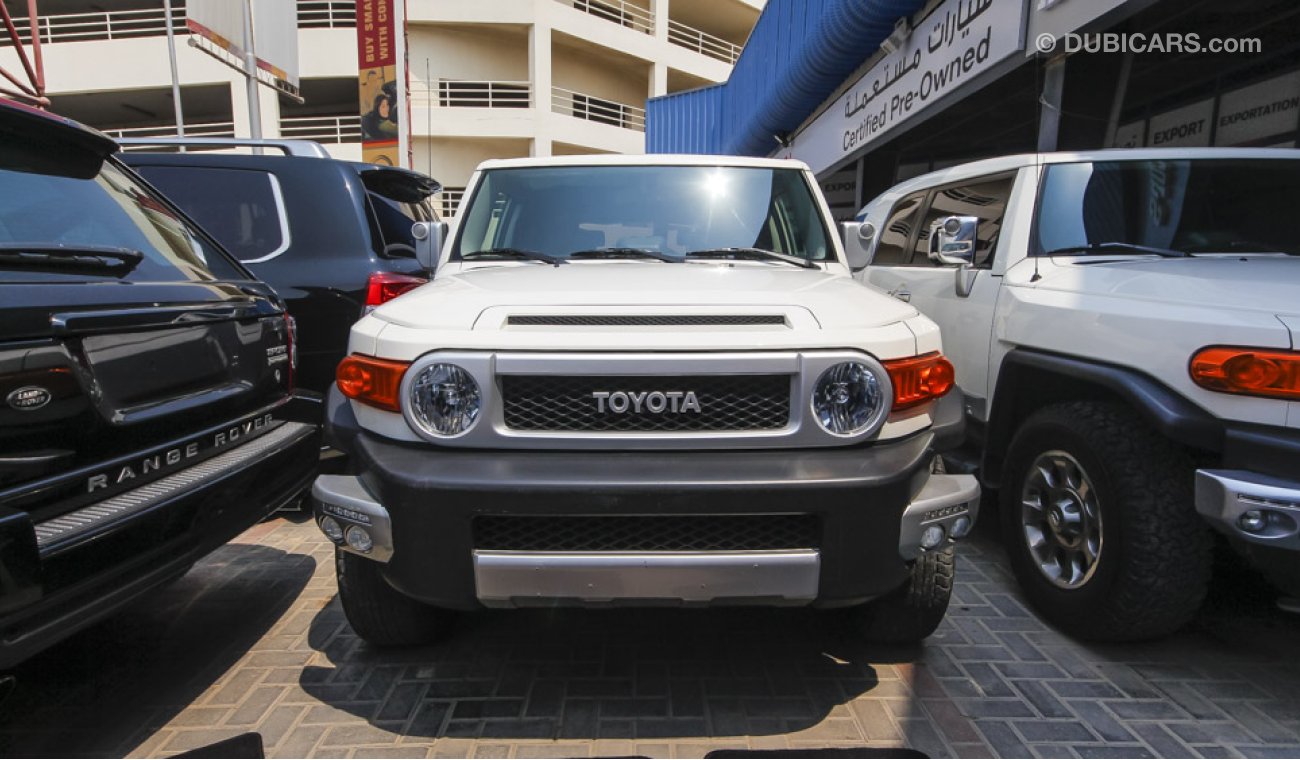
(252, 639)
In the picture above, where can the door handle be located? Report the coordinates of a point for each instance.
(902, 293)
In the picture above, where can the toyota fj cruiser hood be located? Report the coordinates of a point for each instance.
(1232, 283)
(469, 299)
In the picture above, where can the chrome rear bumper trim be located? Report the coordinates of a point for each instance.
(79, 523)
(508, 579)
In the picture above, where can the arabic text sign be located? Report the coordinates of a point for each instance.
(954, 44)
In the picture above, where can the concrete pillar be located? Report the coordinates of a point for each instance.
(539, 74)
(659, 69)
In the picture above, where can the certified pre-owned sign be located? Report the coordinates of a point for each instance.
(953, 45)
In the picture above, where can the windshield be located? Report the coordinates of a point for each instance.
(1196, 206)
(109, 210)
(675, 210)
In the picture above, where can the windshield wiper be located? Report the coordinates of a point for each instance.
(1118, 247)
(55, 256)
(754, 254)
(515, 253)
(626, 253)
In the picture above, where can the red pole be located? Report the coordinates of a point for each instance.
(33, 22)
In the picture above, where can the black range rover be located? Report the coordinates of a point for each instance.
(146, 407)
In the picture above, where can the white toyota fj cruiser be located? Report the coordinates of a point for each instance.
(1125, 328)
(642, 380)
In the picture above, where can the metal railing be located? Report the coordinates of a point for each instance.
(449, 199)
(105, 25)
(322, 129)
(200, 129)
(152, 22)
(702, 42)
(464, 93)
(619, 12)
(596, 109)
(327, 14)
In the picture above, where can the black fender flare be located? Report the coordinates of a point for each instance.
(1165, 409)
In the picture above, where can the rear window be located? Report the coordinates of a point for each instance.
(391, 223)
(242, 208)
(56, 228)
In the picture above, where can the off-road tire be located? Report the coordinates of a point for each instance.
(1155, 562)
(381, 615)
(912, 612)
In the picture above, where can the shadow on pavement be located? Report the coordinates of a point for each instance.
(618, 674)
(94, 693)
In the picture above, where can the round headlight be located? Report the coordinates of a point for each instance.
(445, 401)
(849, 399)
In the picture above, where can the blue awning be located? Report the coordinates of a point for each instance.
(799, 52)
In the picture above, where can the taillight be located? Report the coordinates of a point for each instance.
(372, 381)
(920, 379)
(1248, 371)
(385, 286)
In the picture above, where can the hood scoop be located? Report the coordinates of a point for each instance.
(646, 320)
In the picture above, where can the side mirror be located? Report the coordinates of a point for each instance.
(858, 237)
(952, 240)
(429, 237)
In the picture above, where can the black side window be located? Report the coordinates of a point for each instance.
(241, 208)
(986, 200)
(895, 239)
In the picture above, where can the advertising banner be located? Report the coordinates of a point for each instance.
(381, 82)
(956, 43)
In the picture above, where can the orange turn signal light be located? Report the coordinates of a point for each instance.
(920, 379)
(372, 381)
(1248, 371)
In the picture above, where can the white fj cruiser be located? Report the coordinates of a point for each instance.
(1125, 328)
(642, 380)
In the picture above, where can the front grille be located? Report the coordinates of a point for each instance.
(567, 404)
(684, 320)
(645, 533)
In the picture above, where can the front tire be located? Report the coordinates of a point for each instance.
(1099, 523)
(913, 611)
(380, 614)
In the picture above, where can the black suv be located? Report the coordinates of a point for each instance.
(332, 237)
(146, 405)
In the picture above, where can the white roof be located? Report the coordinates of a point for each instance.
(1003, 164)
(657, 159)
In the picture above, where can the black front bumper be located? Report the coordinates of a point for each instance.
(52, 589)
(432, 496)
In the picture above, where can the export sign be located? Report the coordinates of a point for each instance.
(958, 41)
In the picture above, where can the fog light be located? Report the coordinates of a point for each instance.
(1252, 521)
(961, 526)
(932, 537)
(359, 539)
(331, 528)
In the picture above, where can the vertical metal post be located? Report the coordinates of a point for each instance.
(1049, 120)
(176, 80)
(250, 70)
(1117, 106)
